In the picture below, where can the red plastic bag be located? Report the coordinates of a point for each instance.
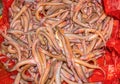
(112, 8)
(4, 25)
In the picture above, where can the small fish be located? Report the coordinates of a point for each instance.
(29, 0)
